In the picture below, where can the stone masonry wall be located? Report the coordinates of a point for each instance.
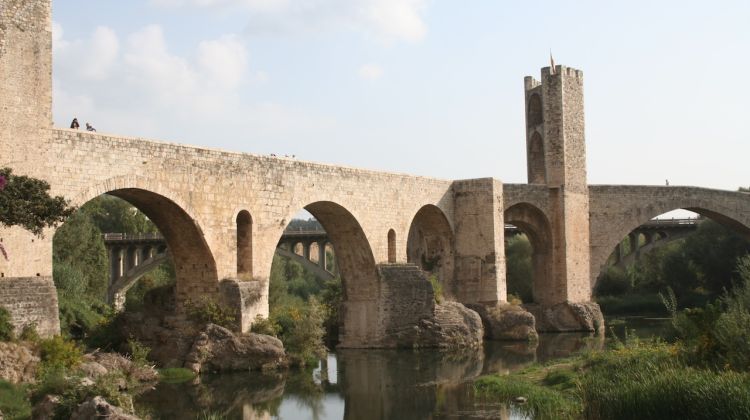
(31, 301)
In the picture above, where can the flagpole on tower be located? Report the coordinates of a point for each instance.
(551, 63)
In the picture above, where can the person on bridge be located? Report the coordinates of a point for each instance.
(667, 181)
(90, 127)
(74, 124)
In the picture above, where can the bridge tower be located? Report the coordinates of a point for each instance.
(556, 158)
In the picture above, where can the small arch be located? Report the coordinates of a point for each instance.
(391, 246)
(535, 114)
(299, 249)
(430, 245)
(244, 245)
(314, 252)
(535, 160)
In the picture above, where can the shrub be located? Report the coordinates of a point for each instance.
(6, 328)
(302, 331)
(265, 326)
(29, 333)
(437, 288)
(59, 352)
(541, 403)
(14, 401)
(613, 282)
(139, 352)
(208, 311)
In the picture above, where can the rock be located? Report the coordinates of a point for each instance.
(459, 326)
(95, 408)
(98, 363)
(45, 409)
(218, 349)
(17, 363)
(520, 400)
(92, 369)
(503, 321)
(568, 316)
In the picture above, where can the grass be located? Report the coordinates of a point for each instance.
(176, 375)
(14, 401)
(542, 403)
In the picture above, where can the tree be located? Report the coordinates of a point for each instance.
(25, 202)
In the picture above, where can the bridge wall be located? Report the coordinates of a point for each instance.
(616, 210)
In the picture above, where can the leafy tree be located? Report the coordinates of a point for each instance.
(25, 202)
(518, 254)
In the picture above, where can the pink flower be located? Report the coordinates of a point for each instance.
(3, 181)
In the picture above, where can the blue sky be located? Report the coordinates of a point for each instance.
(427, 87)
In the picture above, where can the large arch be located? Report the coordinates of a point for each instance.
(355, 263)
(616, 211)
(195, 267)
(535, 224)
(431, 244)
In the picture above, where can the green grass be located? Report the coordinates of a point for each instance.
(176, 375)
(14, 401)
(542, 403)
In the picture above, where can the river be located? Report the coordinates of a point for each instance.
(372, 384)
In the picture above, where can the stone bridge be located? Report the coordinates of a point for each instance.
(649, 236)
(222, 213)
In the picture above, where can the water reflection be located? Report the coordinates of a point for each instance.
(363, 385)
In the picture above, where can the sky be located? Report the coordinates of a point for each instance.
(425, 87)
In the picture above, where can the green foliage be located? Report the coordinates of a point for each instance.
(113, 215)
(7, 332)
(301, 330)
(81, 317)
(542, 403)
(26, 202)
(613, 282)
(162, 276)
(59, 352)
(138, 352)
(437, 288)
(176, 375)
(29, 333)
(14, 401)
(208, 311)
(265, 326)
(642, 304)
(518, 259)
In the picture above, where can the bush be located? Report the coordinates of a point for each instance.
(6, 328)
(208, 311)
(301, 331)
(265, 326)
(139, 352)
(14, 401)
(29, 333)
(59, 352)
(437, 288)
(613, 282)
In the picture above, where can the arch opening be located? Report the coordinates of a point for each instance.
(392, 246)
(430, 245)
(693, 253)
(535, 115)
(537, 172)
(244, 245)
(529, 255)
(338, 247)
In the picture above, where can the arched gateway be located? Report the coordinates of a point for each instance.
(223, 213)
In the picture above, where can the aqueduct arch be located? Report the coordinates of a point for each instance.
(618, 210)
(356, 265)
(534, 223)
(430, 245)
(195, 267)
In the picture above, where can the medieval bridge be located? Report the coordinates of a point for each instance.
(223, 213)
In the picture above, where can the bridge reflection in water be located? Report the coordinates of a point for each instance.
(366, 384)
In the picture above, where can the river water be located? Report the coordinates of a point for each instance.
(372, 384)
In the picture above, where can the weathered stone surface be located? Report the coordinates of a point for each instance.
(45, 409)
(503, 321)
(411, 318)
(218, 349)
(17, 363)
(96, 408)
(99, 363)
(31, 301)
(568, 316)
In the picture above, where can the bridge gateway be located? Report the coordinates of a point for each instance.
(222, 213)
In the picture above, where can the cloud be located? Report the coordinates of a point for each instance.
(386, 20)
(144, 88)
(370, 72)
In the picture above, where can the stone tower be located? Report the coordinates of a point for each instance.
(556, 156)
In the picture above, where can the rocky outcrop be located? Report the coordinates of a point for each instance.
(504, 321)
(568, 316)
(17, 363)
(411, 318)
(218, 349)
(96, 408)
(45, 408)
(97, 364)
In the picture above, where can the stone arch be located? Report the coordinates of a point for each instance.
(299, 249)
(535, 115)
(430, 245)
(534, 223)
(244, 245)
(355, 264)
(391, 246)
(535, 156)
(726, 208)
(195, 267)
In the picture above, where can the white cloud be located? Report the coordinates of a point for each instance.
(387, 20)
(370, 72)
(91, 59)
(224, 61)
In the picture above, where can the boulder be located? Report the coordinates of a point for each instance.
(219, 349)
(17, 363)
(504, 321)
(95, 408)
(567, 317)
(99, 363)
